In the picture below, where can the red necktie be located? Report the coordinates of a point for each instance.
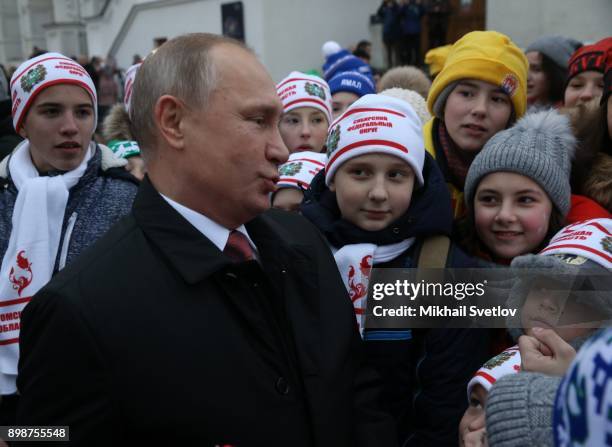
(238, 248)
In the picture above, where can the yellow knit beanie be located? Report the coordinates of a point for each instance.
(486, 56)
(436, 57)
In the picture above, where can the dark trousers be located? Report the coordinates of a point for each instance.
(8, 409)
(411, 49)
(391, 49)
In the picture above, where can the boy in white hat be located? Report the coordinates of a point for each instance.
(294, 178)
(519, 407)
(59, 192)
(379, 203)
(307, 112)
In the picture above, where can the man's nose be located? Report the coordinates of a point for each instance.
(276, 150)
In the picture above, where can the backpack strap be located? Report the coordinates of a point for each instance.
(434, 252)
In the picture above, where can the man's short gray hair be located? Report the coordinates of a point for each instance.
(181, 67)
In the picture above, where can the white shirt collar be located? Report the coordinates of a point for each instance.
(216, 233)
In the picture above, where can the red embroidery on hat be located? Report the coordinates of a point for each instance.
(128, 91)
(22, 277)
(366, 109)
(16, 104)
(384, 143)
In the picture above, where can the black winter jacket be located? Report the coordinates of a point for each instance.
(425, 371)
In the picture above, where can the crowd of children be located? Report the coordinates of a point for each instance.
(518, 149)
(503, 156)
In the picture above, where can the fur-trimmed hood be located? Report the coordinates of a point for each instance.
(116, 125)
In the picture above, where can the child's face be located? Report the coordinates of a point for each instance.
(304, 129)
(511, 214)
(59, 125)
(474, 417)
(550, 308)
(341, 101)
(288, 199)
(474, 112)
(583, 88)
(537, 84)
(373, 190)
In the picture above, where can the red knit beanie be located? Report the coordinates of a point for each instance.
(589, 58)
(607, 77)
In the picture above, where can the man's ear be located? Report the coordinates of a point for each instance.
(168, 113)
(332, 186)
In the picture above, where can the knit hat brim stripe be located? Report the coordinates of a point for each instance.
(600, 227)
(485, 376)
(291, 104)
(36, 92)
(292, 180)
(373, 143)
(335, 65)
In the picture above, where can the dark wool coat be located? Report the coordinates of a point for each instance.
(155, 338)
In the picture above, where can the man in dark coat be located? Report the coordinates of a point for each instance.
(202, 318)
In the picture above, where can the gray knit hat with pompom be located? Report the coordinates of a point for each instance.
(539, 146)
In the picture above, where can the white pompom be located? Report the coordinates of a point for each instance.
(330, 47)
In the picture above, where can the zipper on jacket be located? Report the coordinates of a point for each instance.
(66, 242)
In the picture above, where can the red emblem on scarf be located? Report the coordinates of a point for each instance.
(22, 277)
(359, 290)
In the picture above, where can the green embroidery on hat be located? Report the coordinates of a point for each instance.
(315, 90)
(499, 360)
(606, 243)
(332, 140)
(124, 149)
(33, 77)
(290, 169)
(570, 259)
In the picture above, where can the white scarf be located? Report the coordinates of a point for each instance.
(355, 262)
(30, 257)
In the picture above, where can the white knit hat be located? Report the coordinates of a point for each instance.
(508, 362)
(300, 169)
(302, 90)
(376, 124)
(40, 72)
(128, 85)
(590, 239)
